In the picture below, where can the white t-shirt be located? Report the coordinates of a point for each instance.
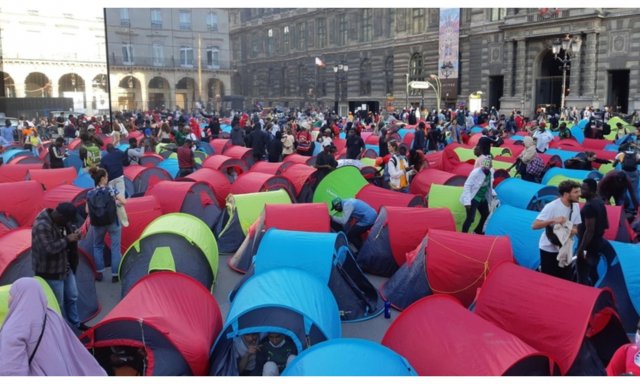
(542, 140)
(554, 209)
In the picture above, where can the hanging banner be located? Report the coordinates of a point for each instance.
(449, 43)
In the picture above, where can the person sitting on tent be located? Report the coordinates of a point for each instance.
(564, 132)
(477, 194)
(357, 210)
(246, 348)
(36, 341)
(616, 185)
(561, 213)
(275, 354)
(326, 161)
(626, 360)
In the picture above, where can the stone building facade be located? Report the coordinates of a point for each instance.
(504, 55)
(168, 57)
(52, 52)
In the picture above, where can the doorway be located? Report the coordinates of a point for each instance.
(618, 95)
(496, 90)
(549, 82)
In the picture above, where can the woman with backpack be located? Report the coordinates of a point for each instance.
(103, 217)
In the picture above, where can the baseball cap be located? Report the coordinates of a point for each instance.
(327, 144)
(335, 202)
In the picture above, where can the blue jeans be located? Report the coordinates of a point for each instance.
(115, 232)
(66, 292)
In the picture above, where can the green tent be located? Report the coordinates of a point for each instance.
(614, 128)
(344, 182)
(199, 155)
(504, 165)
(242, 211)
(447, 196)
(465, 154)
(177, 242)
(557, 179)
(4, 298)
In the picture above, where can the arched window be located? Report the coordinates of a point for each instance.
(416, 71)
(365, 77)
(388, 75)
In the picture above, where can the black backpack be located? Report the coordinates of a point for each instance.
(102, 207)
(629, 161)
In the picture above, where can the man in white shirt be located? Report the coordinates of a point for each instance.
(543, 138)
(565, 208)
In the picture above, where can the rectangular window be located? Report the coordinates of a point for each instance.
(213, 57)
(322, 32)
(417, 22)
(302, 34)
(156, 18)
(186, 57)
(212, 21)
(497, 14)
(124, 17)
(342, 30)
(285, 39)
(367, 26)
(185, 20)
(127, 54)
(158, 55)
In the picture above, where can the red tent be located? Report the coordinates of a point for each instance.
(299, 159)
(50, 178)
(223, 163)
(74, 144)
(462, 169)
(434, 159)
(270, 168)
(252, 182)
(195, 198)
(12, 245)
(457, 263)
(16, 172)
(303, 179)
(218, 182)
(140, 211)
(439, 337)
(372, 140)
(421, 183)
(21, 200)
(139, 179)
(220, 145)
(76, 195)
(171, 315)
(138, 135)
(554, 316)
(150, 160)
(376, 197)
(598, 144)
(399, 230)
(240, 153)
(26, 159)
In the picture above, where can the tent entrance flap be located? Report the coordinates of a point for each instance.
(162, 260)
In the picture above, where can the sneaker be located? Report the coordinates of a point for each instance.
(99, 276)
(115, 279)
(83, 327)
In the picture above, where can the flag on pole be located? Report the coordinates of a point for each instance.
(319, 62)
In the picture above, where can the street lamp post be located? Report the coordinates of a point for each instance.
(438, 88)
(341, 71)
(569, 47)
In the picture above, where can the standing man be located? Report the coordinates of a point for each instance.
(419, 139)
(113, 162)
(590, 233)
(186, 159)
(355, 144)
(559, 211)
(363, 215)
(477, 195)
(543, 138)
(56, 153)
(52, 241)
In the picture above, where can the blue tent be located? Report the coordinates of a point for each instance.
(286, 301)
(563, 154)
(73, 160)
(620, 272)
(326, 256)
(477, 129)
(577, 131)
(205, 147)
(612, 147)
(571, 173)
(525, 194)
(225, 128)
(84, 180)
(516, 223)
(170, 165)
(124, 147)
(11, 153)
(374, 147)
(349, 357)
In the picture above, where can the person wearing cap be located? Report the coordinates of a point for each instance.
(53, 242)
(357, 218)
(326, 161)
(626, 360)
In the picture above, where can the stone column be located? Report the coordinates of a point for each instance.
(589, 80)
(508, 66)
(521, 67)
(575, 79)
